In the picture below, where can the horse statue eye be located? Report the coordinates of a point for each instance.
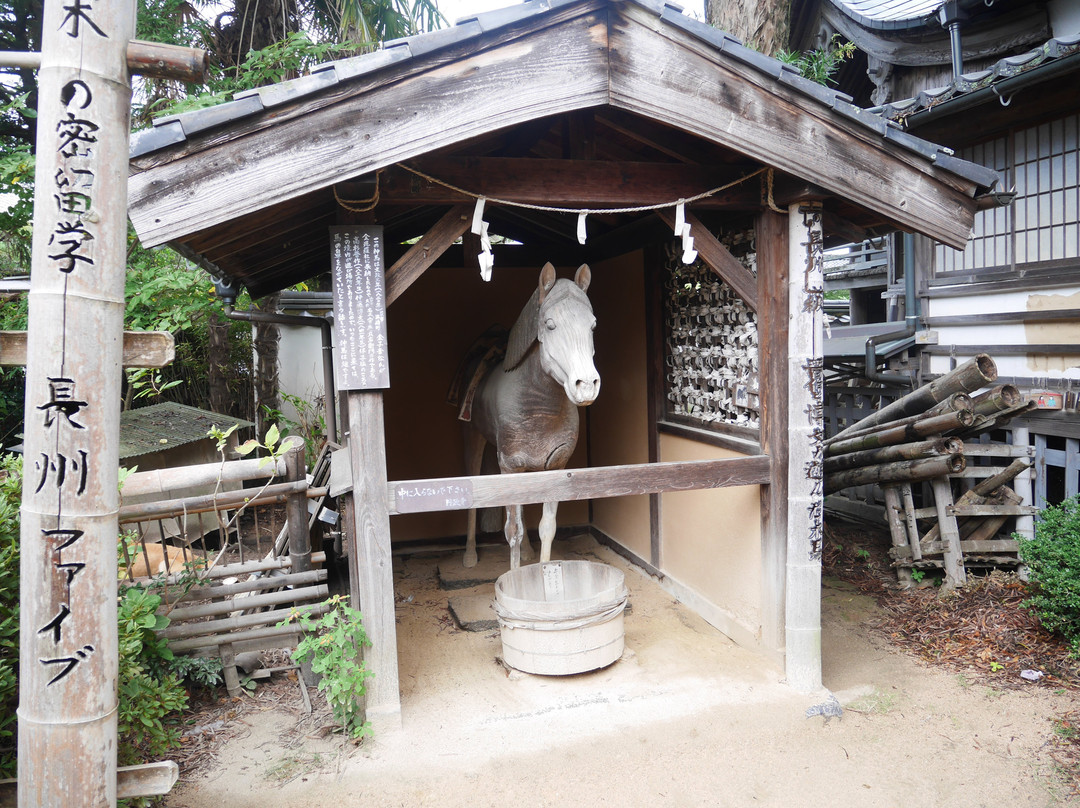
(550, 324)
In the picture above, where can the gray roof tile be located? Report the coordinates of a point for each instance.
(157, 137)
(355, 66)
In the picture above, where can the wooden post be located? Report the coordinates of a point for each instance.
(360, 305)
(771, 230)
(955, 574)
(68, 632)
(1025, 525)
(805, 497)
(897, 531)
(371, 565)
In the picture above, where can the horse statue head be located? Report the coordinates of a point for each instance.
(559, 319)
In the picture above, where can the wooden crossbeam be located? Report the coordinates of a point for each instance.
(142, 349)
(493, 490)
(717, 257)
(547, 181)
(426, 251)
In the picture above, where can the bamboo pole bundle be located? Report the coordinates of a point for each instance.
(996, 399)
(900, 451)
(957, 402)
(968, 377)
(901, 471)
(890, 435)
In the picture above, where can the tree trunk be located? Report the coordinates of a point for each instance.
(763, 25)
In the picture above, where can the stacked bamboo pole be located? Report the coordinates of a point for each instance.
(920, 438)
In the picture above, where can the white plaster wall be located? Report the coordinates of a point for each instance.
(1064, 17)
(979, 336)
(300, 371)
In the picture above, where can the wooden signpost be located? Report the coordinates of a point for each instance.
(360, 323)
(68, 631)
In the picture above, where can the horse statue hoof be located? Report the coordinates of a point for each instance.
(469, 561)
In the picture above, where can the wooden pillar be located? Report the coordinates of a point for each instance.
(68, 632)
(771, 231)
(371, 565)
(805, 500)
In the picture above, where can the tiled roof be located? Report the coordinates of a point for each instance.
(889, 14)
(176, 129)
(996, 77)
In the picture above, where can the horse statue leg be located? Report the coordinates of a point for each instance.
(547, 530)
(474, 457)
(514, 530)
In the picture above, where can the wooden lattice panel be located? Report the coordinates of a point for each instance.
(711, 345)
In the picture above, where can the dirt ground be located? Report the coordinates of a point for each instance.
(684, 718)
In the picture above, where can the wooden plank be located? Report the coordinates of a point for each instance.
(997, 450)
(426, 251)
(394, 122)
(897, 531)
(984, 546)
(656, 384)
(963, 511)
(699, 91)
(550, 181)
(370, 562)
(771, 230)
(142, 349)
(494, 490)
(717, 257)
(955, 575)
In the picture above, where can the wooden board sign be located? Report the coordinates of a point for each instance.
(444, 496)
(359, 307)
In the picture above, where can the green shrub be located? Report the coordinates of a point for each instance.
(150, 692)
(333, 644)
(10, 501)
(1053, 558)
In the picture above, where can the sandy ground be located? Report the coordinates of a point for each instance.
(685, 718)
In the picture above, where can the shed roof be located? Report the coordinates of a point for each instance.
(592, 104)
(166, 426)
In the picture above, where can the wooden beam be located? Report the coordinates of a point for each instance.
(142, 349)
(391, 123)
(702, 92)
(551, 181)
(493, 490)
(426, 251)
(717, 257)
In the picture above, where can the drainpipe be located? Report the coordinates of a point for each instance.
(951, 15)
(227, 293)
(911, 322)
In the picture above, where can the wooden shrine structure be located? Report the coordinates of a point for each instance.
(580, 125)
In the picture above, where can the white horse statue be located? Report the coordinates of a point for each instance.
(526, 406)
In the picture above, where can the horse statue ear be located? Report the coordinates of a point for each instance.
(547, 280)
(583, 277)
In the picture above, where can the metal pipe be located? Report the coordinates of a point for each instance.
(951, 16)
(327, 347)
(911, 322)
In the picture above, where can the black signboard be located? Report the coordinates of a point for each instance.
(359, 307)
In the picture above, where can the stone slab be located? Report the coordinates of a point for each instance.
(473, 612)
